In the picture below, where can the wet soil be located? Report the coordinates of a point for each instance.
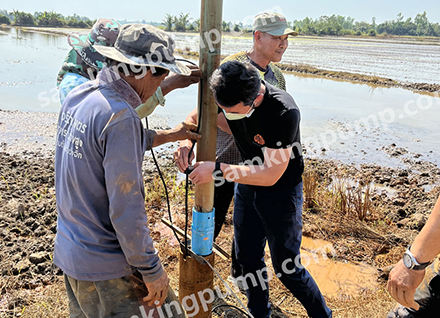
(403, 198)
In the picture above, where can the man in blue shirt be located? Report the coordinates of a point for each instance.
(103, 244)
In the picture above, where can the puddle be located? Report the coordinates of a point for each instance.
(345, 183)
(390, 192)
(336, 278)
(429, 187)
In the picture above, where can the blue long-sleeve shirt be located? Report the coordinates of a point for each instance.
(102, 228)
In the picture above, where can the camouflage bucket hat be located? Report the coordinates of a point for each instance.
(104, 32)
(144, 45)
(272, 23)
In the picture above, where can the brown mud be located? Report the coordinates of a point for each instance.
(28, 218)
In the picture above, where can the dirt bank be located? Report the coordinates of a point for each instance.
(353, 77)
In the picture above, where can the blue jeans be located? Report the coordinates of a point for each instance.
(275, 217)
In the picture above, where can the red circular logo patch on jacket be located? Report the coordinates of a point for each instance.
(259, 140)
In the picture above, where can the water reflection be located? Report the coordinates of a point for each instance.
(353, 122)
(350, 121)
(29, 63)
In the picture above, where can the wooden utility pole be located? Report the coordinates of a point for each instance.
(196, 278)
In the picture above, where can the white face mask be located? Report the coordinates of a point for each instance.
(232, 116)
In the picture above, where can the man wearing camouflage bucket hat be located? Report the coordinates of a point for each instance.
(103, 244)
(270, 33)
(83, 62)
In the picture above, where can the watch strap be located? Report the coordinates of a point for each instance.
(416, 265)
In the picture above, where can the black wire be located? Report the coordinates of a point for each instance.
(231, 306)
(165, 187)
(187, 172)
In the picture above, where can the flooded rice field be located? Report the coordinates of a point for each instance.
(342, 120)
(401, 60)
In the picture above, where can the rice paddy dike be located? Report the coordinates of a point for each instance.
(348, 76)
(356, 59)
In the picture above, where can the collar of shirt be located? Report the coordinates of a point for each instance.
(258, 67)
(110, 77)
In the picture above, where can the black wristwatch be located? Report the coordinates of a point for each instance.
(216, 172)
(411, 263)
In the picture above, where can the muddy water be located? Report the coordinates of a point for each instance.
(336, 278)
(29, 63)
(403, 60)
(351, 122)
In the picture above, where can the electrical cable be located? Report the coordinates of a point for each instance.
(232, 306)
(187, 172)
(165, 187)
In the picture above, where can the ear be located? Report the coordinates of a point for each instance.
(259, 97)
(257, 36)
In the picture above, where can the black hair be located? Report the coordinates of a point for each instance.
(234, 82)
(135, 70)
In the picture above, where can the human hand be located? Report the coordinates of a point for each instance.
(175, 81)
(185, 130)
(202, 172)
(181, 155)
(157, 290)
(402, 284)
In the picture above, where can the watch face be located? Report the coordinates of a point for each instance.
(407, 260)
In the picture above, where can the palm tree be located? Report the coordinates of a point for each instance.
(168, 22)
(182, 21)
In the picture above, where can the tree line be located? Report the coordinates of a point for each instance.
(339, 25)
(46, 18)
(183, 22)
(324, 25)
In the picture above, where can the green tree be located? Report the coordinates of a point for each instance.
(168, 22)
(7, 14)
(196, 25)
(225, 26)
(422, 24)
(362, 27)
(23, 18)
(4, 19)
(182, 22)
(372, 32)
(50, 18)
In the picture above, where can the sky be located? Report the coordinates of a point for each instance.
(233, 10)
